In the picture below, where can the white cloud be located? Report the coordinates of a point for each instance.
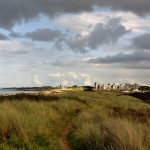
(73, 75)
(79, 22)
(71, 78)
(70, 69)
(13, 45)
(86, 78)
(56, 74)
(84, 22)
(36, 80)
(65, 82)
(9, 48)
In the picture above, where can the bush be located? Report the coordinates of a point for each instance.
(87, 88)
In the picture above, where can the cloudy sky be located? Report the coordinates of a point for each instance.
(52, 42)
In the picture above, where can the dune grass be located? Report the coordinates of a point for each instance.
(112, 122)
(97, 131)
(100, 121)
(27, 122)
(27, 125)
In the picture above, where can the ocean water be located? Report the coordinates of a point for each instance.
(13, 92)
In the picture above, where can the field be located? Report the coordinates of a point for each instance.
(74, 120)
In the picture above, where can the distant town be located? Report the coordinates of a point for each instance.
(127, 87)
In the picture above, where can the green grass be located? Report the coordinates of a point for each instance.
(100, 120)
(98, 128)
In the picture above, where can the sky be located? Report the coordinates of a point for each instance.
(74, 42)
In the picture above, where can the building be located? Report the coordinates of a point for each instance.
(117, 86)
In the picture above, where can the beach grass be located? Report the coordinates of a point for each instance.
(100, 121)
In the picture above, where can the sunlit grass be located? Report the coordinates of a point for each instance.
(32, 122)
(98, 129)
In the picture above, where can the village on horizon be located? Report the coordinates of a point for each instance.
(126, 87)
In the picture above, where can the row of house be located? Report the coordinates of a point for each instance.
(117, 86)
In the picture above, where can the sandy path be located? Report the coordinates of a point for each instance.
(52, 92)
(64, 138)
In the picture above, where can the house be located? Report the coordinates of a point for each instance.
(117, 86)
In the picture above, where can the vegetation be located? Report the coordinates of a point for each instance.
(87, 88)
(143, 96)
(99, 121)
(144, 88)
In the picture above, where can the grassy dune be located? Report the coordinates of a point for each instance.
(99, 120)
(113, 122)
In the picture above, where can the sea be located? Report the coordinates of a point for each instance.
(15, 91)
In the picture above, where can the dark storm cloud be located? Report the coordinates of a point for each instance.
(44, 35)
(102, 34)
(109, 33)
(62, 62)
(122, 58)
(12, 11)
(3, 37)
(138, 59)
(140, 7)
(15, 35)
(142, 42)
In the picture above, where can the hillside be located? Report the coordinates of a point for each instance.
(74, 120)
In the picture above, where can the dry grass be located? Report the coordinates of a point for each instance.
(105, 121)
(21, 123)
(105, 127)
